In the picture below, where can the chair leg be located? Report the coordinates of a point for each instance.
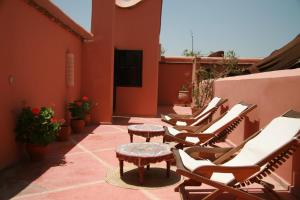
(188, 182)
(213, 195)
(183, 193)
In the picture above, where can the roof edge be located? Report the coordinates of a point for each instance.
(127, 4)
(56, 15)
(205, 60)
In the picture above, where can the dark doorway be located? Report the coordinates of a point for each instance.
(128, 69)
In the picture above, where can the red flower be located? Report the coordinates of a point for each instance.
(85, 98)
(78, 103)
(35, 111)
(53, 120)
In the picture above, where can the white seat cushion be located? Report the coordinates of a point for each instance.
(191, 163)
(209, 106)
(180, 123)
(199, 118)
(277, 133)
(173, 131)
(234, 112)
(192, 139)
(167, 117)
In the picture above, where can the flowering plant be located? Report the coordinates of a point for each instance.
(37, 126)
(80, 108)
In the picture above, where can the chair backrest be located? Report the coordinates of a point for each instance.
(209, 110)
(233, 113)
(261, 148)
(213, 103)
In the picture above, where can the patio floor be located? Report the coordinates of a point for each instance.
(76, 169)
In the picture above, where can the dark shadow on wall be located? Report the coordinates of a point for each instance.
(250, 127)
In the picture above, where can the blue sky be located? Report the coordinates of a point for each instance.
(252, 28)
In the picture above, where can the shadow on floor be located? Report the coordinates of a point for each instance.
(195, 194)
(20, 176)
(123, 120)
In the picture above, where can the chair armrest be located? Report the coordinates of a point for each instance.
(239, 172)
(207, 149)
(202, 137)
(187, 128)
(210, 153)
(187, 120)
(176, 116)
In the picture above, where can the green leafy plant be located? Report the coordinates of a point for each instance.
(187, 52)
(80, 108)
(37, 126)
(184, 87)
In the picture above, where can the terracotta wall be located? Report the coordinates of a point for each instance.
(138, 28)
(172, 75)
(32, 53)
(274, 93)
(98, 61)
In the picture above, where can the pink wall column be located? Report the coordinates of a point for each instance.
(274, 93)
(33, 53)
(138, 28)
(99, 60)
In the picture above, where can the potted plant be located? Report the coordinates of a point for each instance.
(36, 128)
(64, 132)
(86, 104)
(184, 94)
(77, 111)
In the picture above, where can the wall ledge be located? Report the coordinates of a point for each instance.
(264, 75)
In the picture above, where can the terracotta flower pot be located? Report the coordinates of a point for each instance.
(77, 125)
(87, 119)
(36, 152)
(64, 133)
(184, 97)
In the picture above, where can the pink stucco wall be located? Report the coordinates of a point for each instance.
(274, 93)
(171, 78)
(138, 28)
(32, 52)
(98, 61)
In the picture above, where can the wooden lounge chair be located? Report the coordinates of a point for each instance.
(200, 116)
(254, 159)
(212, 132)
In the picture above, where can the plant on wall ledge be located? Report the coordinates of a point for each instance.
(203, 85)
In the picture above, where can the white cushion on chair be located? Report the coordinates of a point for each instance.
(173, 131)
(181, 123)
(275, 135)
(234, 112)
(191, 163)
(209, 106)
(167, 117)
(192, 139)
(199, 118)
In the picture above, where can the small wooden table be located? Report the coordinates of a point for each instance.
(145, 130)
(141, 154)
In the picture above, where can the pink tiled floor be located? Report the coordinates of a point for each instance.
(76, 169)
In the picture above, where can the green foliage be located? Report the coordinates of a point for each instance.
(230, 63)
(184, 87)
(188, 52)
(37, 126)
(80, 108)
